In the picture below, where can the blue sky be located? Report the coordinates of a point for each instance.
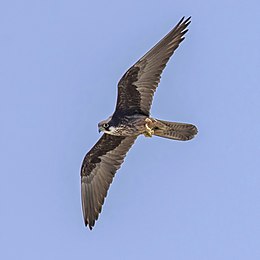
(60, 64)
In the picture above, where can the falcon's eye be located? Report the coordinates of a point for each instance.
(106, 125)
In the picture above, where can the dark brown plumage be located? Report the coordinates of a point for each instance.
(130, 119)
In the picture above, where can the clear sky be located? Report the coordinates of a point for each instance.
(60, 62)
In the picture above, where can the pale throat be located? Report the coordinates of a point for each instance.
(112, 130)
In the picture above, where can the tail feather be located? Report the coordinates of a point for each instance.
(174, 130)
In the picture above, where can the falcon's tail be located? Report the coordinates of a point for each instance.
(173, 130)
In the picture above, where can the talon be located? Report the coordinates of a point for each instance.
(149, 131)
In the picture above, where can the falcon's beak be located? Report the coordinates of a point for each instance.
(100, 129)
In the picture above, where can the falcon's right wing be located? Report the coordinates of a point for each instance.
(98, 169)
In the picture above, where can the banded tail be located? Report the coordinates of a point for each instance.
(174, 130)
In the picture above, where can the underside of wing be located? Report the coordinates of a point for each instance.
(98, 169)
(136, 88)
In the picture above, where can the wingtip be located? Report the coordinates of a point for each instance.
(87, 225)
(183, 23)
(188, 21)
(90, 227)
(185, 20)
(182, 26)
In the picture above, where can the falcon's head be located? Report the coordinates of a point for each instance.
(105, 126)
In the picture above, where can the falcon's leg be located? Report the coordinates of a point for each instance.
(149, 131)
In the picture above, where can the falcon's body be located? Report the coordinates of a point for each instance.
(130, 119)
(126, 125)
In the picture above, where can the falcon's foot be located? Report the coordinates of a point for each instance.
(149, 131)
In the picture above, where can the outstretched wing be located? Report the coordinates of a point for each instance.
(98, 169)
(136, 88)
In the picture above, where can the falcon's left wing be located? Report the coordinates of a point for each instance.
(136, 88)
(98, 169)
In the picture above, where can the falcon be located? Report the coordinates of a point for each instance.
(130, 119)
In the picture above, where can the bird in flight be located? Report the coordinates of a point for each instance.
(130, 119)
